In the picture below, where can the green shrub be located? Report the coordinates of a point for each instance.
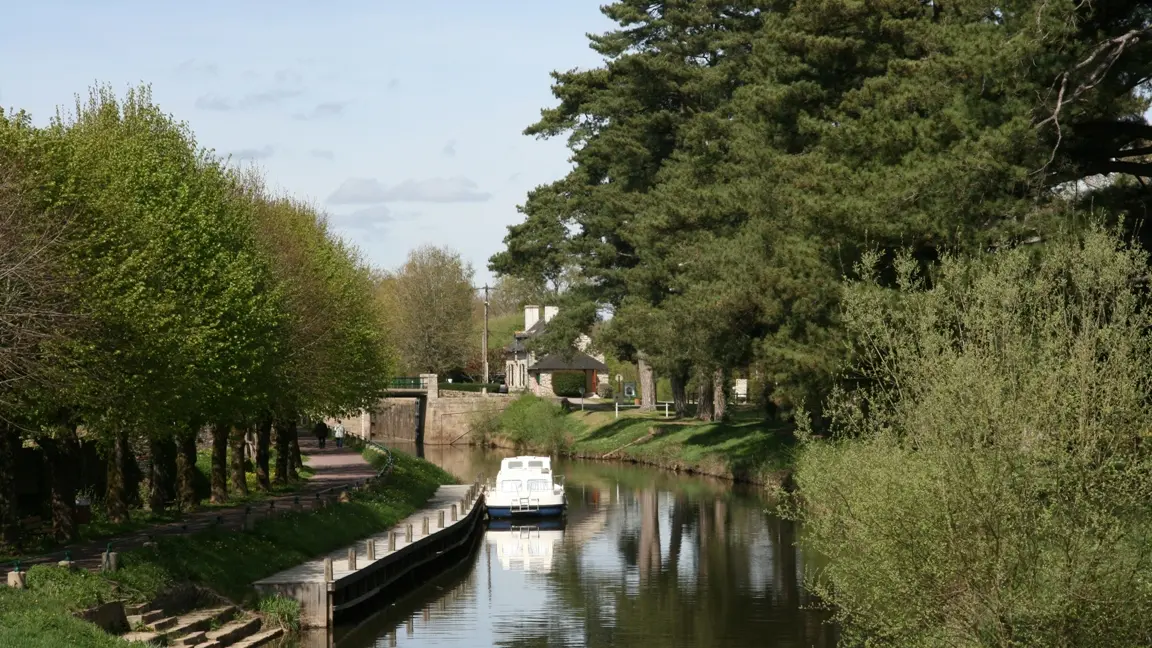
(569, 385)
(281, 611)
(533, 422)
(485, 425)
(604, 390)
(995, 490)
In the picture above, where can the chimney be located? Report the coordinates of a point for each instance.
(550, 312)
(531, 316)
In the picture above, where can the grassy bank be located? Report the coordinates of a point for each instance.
(745, 447)
(221, 560)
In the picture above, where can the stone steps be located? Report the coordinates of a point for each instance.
(234, 631)
(170, 630)
(260, 639)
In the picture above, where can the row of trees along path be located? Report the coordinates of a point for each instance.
(334, 469)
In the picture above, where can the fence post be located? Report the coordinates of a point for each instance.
(665, 410)
(617, 409)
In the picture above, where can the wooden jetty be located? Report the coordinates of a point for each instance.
(342, 580)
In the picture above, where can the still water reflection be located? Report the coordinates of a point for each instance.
(646, 558)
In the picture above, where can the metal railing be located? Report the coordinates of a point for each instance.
(408, 382)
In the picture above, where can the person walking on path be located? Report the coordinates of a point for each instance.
(338, 433)
(321, 432)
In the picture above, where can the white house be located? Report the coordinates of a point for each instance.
(523, 371)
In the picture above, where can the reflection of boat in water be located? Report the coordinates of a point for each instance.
(526, 487)
(524, 548)
(543, 524)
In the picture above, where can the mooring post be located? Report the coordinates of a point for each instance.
(370, 546)
(425, 530)
(352, 558)
(441, 519)
(328, 570)
(453, 512)
(408, 533)
(392, 541)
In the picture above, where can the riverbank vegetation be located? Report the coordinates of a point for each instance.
(917, 229)
(742, 447)
(224, 561)
(152, 296)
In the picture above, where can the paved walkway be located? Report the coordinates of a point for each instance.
(334, 468)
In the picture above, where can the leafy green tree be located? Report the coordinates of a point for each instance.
(431, 300)
(987, 485)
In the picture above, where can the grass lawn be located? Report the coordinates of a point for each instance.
(744, 447)
(224, 561)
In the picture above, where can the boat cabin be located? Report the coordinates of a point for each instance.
(532, 474)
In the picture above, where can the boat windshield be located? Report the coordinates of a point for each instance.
(510, 485)
(539, 485)
(515, 464)
(535, 464)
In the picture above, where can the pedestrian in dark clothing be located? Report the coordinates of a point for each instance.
(321, 432)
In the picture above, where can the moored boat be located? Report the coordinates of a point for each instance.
(526, 487)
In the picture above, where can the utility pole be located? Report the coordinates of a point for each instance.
(484, 345)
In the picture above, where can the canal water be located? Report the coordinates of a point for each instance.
(646, 558)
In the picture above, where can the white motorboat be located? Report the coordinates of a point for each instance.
(526, 487)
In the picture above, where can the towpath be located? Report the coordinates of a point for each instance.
(334, 468)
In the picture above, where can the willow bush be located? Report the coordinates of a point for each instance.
(989, 481)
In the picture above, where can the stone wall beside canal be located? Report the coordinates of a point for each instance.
(447, 419)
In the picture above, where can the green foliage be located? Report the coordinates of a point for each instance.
(431, 302)
(281, 611)
(988, 485)
(469, 387)
(569, 384)
(533, 422)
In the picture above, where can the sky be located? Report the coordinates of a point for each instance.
(403, 121)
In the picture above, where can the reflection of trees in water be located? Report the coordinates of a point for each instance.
(711, 586)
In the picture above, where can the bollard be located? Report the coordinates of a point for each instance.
(352, 558)
(109, 561)
(17, 579)
(392, 541)
(453, 512)
(441, 519)
(424, 531)
(328, 570)
(371, 547)
(408, 534)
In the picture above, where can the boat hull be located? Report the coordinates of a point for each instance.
(507, 512)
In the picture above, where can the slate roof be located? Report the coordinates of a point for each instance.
(579, 362)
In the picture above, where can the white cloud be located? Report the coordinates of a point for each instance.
(450, 149)
(327, 109)
(359, 191)
(437, 190)
(254, 100)
(370, 218)
(261, 153)
(368, 191)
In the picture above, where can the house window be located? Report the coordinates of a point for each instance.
(523, 375)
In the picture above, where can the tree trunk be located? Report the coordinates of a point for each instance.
(704, 395)
(296, 461)
(236, 461)
(60, 459)
(263, 440)
(679, 380)
(160, 475)
(283, 451)
(219, 463)
(186, 471)
(647, 384)
(116, 496)
(719, 395)
(9, 516)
